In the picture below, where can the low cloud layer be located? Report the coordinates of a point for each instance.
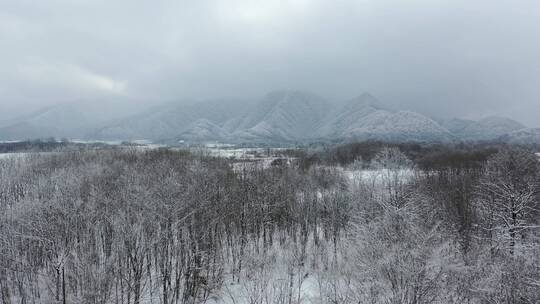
(446, 58)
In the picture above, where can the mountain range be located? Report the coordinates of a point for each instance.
(280, 116)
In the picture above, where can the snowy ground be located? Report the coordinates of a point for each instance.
(107, 142)
(230, 151)
(243, 158)
(376, 176)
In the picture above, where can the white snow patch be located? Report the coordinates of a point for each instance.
(377, 176)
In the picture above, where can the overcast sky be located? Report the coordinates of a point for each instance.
(465, 58)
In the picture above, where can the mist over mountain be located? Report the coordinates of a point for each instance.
(58, 121)
(365, 117)
(523, 136)
(168, 120)
(284, 115)
(487, 128)
(279, 116)
(73, 120)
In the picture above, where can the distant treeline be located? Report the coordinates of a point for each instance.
(45, 145)
(426, 156)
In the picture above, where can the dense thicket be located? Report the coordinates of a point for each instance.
(424, 155)
(171, 227)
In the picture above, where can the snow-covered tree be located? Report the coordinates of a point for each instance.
(508, 197)
(393, 170)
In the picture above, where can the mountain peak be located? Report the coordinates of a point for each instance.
(363, 101)
(367, 97)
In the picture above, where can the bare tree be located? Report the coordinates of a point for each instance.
(393, 170)
(508, 200)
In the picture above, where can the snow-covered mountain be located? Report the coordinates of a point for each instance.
(283, 116)
(73, 119)
(523, 136)
(203, 130)
(171, 120)
(58, 121)
(280, 116)
(353, 112)
(488, 128)
(457, 125)
(402, 126)
(366, 118)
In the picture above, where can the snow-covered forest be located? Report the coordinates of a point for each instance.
(161, 226)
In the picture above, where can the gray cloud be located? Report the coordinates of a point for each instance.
(447, 58)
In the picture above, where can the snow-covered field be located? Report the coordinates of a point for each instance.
(376, 176)
(230, 151)
(108, 142)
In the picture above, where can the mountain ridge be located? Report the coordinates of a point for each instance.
(279, 116)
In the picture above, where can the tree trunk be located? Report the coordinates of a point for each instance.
(63, 286)
(58, 284)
